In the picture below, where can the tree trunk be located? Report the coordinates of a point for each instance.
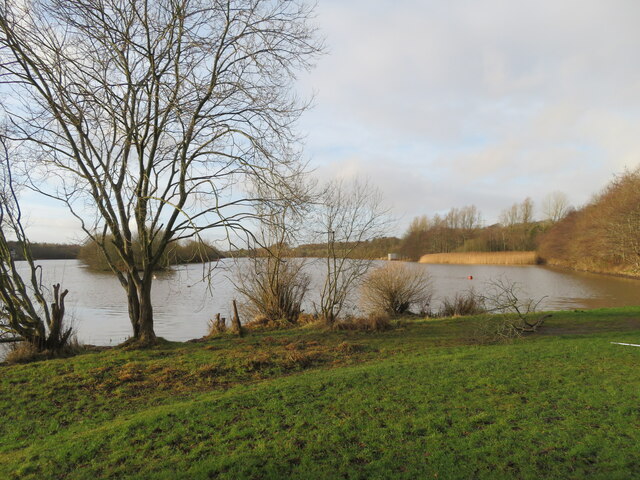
(146, 335)
(57, 337)
(133, 306)
(141, 309)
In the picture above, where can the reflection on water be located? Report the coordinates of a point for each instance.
(186, 297)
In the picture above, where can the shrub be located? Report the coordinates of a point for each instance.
(518, 317)
(467, 303)
(273, 289)
(396, 288)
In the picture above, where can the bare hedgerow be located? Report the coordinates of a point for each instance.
(396, 288)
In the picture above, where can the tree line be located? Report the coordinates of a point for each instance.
(462, 229)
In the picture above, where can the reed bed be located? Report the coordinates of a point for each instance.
(482, 258)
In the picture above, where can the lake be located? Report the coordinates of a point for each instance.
(186, 297)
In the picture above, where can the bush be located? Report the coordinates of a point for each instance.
(468, 303)
(273, 289)
(518, 317)
(395, 289)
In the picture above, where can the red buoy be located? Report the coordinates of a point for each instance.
(470, 277)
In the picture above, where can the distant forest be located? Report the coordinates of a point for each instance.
(48, 251)
(462, 230)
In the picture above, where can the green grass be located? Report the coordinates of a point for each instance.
(419, 401)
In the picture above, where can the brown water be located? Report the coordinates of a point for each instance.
(184, 300)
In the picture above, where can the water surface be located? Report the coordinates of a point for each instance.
(187, 297)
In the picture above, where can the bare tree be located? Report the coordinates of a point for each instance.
(350, 214)
(555, 206)
(25, 315)
(517, 221)
(155, 118)
(526, 211)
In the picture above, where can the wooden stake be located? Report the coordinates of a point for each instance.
(237, 327)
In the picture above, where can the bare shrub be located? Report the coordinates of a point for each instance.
(273, 289)
(396, 288)
(462, 304)
(350, 214)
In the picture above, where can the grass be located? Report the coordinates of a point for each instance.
(482, 258)
(423, 400)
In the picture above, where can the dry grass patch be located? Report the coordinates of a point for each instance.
(370, 323)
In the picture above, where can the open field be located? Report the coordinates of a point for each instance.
(423, 400)
(482, 258)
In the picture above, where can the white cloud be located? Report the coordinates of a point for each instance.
(477, 102)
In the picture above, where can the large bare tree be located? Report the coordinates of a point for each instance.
(152, 119)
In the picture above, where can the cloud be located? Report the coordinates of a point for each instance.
(477, 102)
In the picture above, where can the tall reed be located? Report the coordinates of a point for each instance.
(483, 258)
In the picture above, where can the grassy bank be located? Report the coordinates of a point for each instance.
(423, 400)
(482, 258)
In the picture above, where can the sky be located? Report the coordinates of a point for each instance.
(450, 103)
(443, 104)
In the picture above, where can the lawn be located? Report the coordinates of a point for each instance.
(422, 400)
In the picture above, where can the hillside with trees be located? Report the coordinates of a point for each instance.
(604, 235)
